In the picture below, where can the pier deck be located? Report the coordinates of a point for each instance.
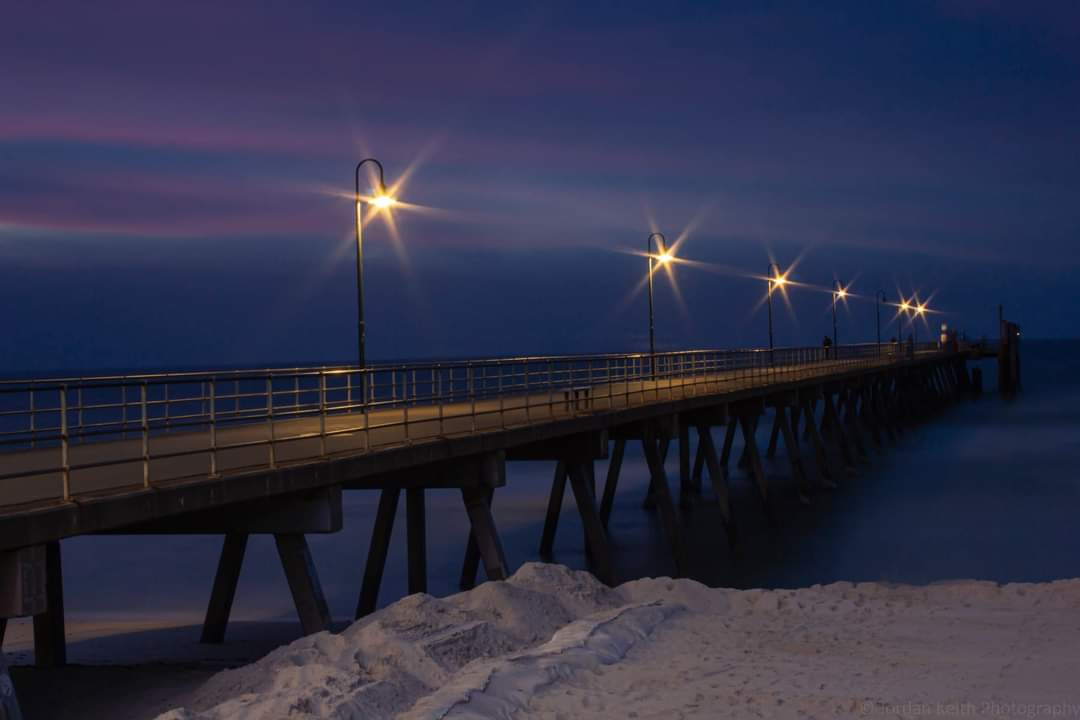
(242, 452)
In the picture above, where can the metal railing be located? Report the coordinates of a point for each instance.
(125, 430)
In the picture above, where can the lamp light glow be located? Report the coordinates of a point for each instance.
(383, 201)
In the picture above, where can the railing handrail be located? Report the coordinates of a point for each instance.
(212, 414)
(137, 378)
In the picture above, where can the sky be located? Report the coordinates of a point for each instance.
(176, 178)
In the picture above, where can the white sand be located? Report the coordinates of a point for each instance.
(554, 643)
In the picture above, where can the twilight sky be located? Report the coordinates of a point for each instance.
(174, 176)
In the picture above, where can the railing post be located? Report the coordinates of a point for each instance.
(270, 418)
(551, 389)
(211, 395)
(470, 377)
(439, 400)
(65, 465)
(365, 411)
(33, 429)
(123, 412)
(499, 385)
(526, 383)
(144, 431)
(322, 414)
(79, 410)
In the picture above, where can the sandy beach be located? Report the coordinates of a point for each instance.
(555, 643)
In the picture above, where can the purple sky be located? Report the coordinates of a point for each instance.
(171, 173)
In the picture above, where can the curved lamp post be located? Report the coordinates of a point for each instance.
(879, 297)
(839, 291)
(380, 200)
(917, 312)
(775, 280)
(913, 310)
(663, 257)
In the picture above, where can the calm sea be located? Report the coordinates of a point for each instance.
(990, 489)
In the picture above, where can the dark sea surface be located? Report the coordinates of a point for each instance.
(989, 489)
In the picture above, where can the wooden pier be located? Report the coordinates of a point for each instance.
(272, 451)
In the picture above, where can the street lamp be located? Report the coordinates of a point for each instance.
(776, 279)
(911, 310)
(382, 200)
(879, 298)
(917, 312)
(663, 257)
(839, 292)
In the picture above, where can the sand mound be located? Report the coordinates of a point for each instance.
(555, 641)
(381, 665)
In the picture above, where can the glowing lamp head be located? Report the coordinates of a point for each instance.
(779, 280)
(841, 293)
(383, 201)
(664, 258)
(921, 309)
(905, 306)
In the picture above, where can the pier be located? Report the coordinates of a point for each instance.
(271, 451)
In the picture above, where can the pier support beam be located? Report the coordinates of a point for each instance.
(416, 540)
(50, 645)
(484, 543)
(699, 467)
(748, 423)
(554, 509)
(660, 491)
(303, 582)
(288, 518)
(774, 435)
(832, 427)
(719, 480)
(820, 452)
(729, 440)
(612, 480)
(852, 424)
(686, 487)
(224, 590)
(486, 472)
(791, 445)
(377, 551)
(596, 540)
(650, 501)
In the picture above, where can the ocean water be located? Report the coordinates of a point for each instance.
(989, 489)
